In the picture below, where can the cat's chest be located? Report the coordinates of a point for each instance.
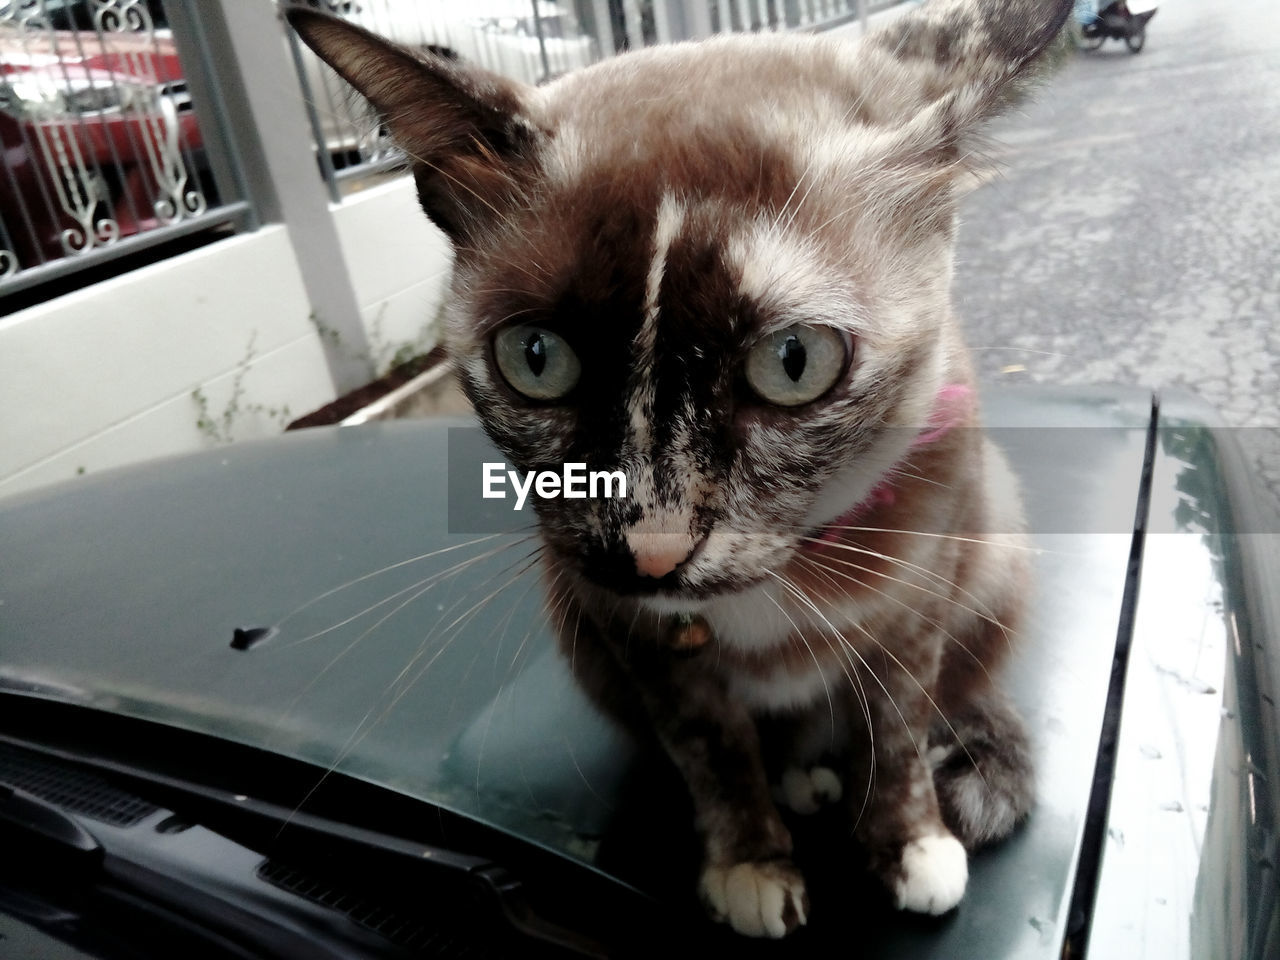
(779, 650)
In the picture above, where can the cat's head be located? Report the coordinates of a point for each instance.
(721, 268)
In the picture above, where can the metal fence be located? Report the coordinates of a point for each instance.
(529, 40)
(102, 151)
(114, 137)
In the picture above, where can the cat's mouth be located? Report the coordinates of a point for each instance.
(673, 593)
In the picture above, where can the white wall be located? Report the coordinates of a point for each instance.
(104, 376)
(399, 265)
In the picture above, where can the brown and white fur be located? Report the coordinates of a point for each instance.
(660, 212)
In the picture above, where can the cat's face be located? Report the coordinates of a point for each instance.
(721, 269)
(717, 310)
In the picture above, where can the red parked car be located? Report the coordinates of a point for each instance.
(99, 139)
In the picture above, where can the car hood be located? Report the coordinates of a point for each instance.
(421, 660)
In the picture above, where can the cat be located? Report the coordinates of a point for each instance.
(723, 269)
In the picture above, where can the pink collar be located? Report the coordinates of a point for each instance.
(950, 408)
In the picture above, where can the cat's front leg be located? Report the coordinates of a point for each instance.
(895, 807)
(681, 700)
(748, 879)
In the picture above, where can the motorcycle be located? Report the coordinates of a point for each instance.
(1113, 22)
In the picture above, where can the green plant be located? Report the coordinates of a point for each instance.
(383, 355)
(326, 332)
(218, 426)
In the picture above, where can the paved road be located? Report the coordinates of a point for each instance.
(1135, 234)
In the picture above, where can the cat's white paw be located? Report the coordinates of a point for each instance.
(805, 791)
(935, 870)
(757, 899)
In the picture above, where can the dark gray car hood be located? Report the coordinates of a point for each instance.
(121, 592)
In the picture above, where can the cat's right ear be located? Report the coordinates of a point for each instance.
(467, 131)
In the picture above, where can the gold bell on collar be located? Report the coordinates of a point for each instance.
(690, 632)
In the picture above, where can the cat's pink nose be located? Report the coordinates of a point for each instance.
(657, 554)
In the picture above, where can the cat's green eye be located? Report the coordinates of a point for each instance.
(536, 362)
(798, 364)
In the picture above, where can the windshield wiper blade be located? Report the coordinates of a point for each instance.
(291, 836)
(36, 833)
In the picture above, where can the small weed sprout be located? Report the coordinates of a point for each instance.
(219, 426)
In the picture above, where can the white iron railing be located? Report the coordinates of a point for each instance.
(102, 151)
(117, 135)
(529, 40)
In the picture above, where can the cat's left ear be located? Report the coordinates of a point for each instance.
(467, 131)
(963, 61)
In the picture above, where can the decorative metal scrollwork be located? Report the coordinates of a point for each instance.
(122, 16)
(108, 142)
(156, 114)
(79, 190)
(20, 12)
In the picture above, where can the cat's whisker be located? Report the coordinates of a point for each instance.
(796, 592)
(437, 634)
(848, 649)
(362, 728)
(379, 572)
(777, 225)
(876, 677)
(537, 554)
(931, 575)
(418, 589)
(631, 629)
(863, 700)
(900, 472)
(995, 622)
(855, 684)
(455, 626)
(393, 120)
(506, 263)
(829, 573)
(798, 633)
(365, 726)
(937, 710)
(427, 581)
(1025, 547)
(517, 313)
(504, 686)
(917, 568)
(476, 195)
(853, 108)
(980, 608)
(1044, 353)
(582, 775)
(558, 606)
(888, 696)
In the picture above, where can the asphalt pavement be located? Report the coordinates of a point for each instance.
(1134, 233)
